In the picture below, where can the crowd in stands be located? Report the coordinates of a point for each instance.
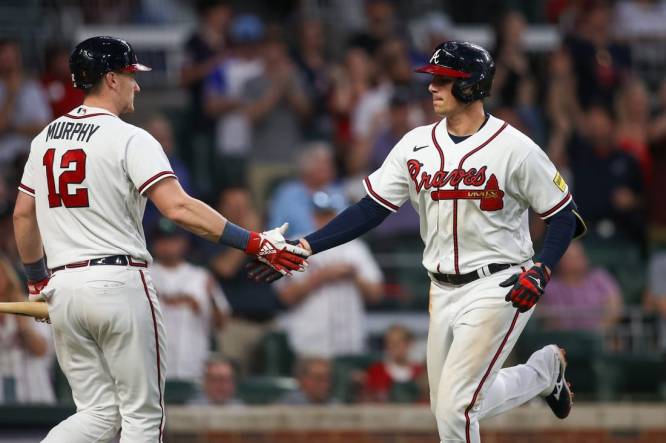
(281, 126)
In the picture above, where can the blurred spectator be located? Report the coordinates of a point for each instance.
(57, 81)
(633, 123)
(640, 19)
(607, 181)
(224, 99)
(353, 80)
(193, 304)
(277, 105)
(7, 240)
(657, 202)
(314, 65)
(380, 23)
(562, 107)
(600, 63)
(292, 201)
(640, 23)
(579, 297)
(219, 387)
(160, 127)
(314, 381)
(203, 51)
(27, 352)
(24, 109)
(406, 220)
(396, 368)
(656, 291)
(327, 313)
(512, 67)
(514, 86)
(253, 305)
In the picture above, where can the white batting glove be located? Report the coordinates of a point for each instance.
(271, 248)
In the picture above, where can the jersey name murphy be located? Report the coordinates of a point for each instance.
(60, 130)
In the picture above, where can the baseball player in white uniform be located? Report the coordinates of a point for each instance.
(472, 178)
(82, 198)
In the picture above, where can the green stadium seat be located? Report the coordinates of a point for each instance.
(178, 392)
(263, 390)
(275, 356)
(344, 367)
(635, 376)
(407, 392)
(581, 347)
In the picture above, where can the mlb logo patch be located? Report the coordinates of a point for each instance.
(559, 182)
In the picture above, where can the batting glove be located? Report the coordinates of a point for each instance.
(35, 289)
(526, 287)
(271, 249)
(261, 272)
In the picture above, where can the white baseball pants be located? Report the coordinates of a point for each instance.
(110, 343)
(472, 331)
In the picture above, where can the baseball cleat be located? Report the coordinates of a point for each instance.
(561, 399)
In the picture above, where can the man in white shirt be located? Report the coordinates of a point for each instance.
(193, 304)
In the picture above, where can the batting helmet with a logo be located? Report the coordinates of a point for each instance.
(470, 65)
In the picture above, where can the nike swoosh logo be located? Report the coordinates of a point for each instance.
(418, 148)
(536, 282)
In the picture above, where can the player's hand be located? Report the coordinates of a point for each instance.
(526, 287)
(261, 272)
(35, 289)
(271, 249)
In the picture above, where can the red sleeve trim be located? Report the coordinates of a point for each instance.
(557, 207)
(381, 200)
(154, 179)
(26, 189)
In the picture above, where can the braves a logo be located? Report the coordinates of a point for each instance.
(490, 197)
(435, 57)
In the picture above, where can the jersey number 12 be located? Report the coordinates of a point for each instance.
(78, 199)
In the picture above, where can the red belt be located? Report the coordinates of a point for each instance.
(111, 260)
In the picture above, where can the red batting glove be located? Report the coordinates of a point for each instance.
(526, 287)
(35, 289)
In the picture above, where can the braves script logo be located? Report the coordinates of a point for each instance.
(491, 197)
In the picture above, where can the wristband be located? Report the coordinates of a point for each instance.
(234, 236)
(36, 271)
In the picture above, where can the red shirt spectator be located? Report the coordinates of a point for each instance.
(57, 82)
(396, 367)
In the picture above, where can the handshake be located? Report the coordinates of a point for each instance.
(275, 256)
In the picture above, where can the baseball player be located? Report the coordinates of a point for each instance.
(82, 198)
(472, 177)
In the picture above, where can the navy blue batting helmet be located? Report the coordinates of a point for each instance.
(94, 57)
(470, 65)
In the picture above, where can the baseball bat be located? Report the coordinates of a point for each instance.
(28, 308)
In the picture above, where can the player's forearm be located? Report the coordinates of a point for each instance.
(198, 218)
(28, 239)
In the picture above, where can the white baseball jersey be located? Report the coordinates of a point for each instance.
(88, 171)
(472, 197)
(189, 329)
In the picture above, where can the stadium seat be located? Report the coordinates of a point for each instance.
(581, 348)
(178, 392)
(406, 392)
(634, 376)
(274, 355)
(263, 390)
(345, 386)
